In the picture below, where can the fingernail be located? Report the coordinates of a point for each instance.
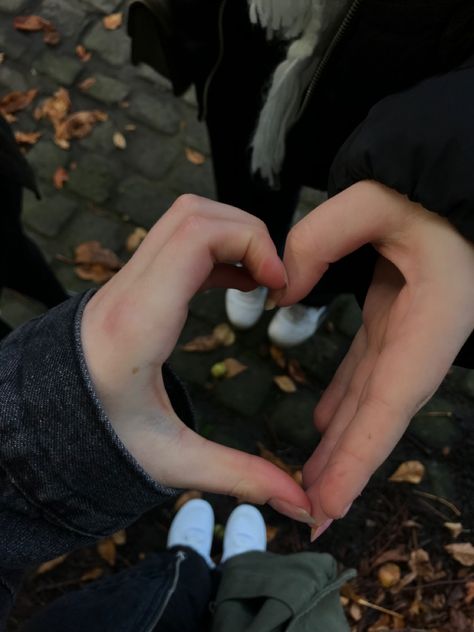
(270, 304)
(317, 532)
(346, 510)
(292, 511)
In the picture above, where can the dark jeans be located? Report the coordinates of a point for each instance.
(168, 592)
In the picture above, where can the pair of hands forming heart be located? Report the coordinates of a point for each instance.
(418, 313)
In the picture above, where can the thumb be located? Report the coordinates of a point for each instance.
(367, 212)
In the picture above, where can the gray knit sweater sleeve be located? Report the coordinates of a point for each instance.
(65, 477)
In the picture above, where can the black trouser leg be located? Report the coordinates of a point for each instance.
(22, 265)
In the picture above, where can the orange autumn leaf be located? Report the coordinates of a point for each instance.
(87, 84)
(17, 101)
(113, 21)
(77, 125)
(107, 551)
(95, 263)
(49, 566)
(35, 23)
(27, 138)
(194, 156)
(94, 573)
(60, 177)
(135, 239)
(83, 54)
(409, 472)
(278, 356)
(285, 384)
(55, 108)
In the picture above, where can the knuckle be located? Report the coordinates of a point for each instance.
(186, 203)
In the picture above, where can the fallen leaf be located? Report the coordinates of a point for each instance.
(420, 564)
(463, 552)
(83, 54)
(77, 125)
(27, 138)
(95, 263)
(298, 477)
(17, 101)
(113, 21)
(48, 566)
(392, 555)
(55, 108)
(35, 23)
(383, 624)
(455, 528)
(60, 177)
(194, 156)
(224, 334)
(285, 383)
(355, 611)
(268, 455)
(119, 140)
(272, 533)
(186, 497)
(130, 127)
(135, 239)
(2, 58)
(469, 593)
(94, 573)
(120, 537)
(107, 550)
(296, 372)
(389, 575)
(87, 84)
(233, 367)
(278, 356)
(409, 472)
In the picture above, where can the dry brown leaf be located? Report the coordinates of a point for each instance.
(383, 624)
(27, 138)
(389, 575)
(233, 367)
(224, 334)
(186, 497)
(285, 383)
(463, 552)
(113, 21)
(35, 23)
(94, 573)
(409, 472)
(48, 566)
(298, 477)
(120, 537)
(55, 108)
(296, 372)
(95, 263)
(60, 177)
(455, 528)
(355, 611)
(119, 140)
(107, 551)
(420, 564)
(17, 101)
(469, 593)
(130, 127)
(272, 533)
(194, 156)
(278, 356)
(78, 125)
(87, 84)
(392, 555)
(268, 455)
(83, 54)
(2, 58)
(135, 239)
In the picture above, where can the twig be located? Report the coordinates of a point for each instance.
(441, 500)
(437, 512)
(446, 582)
(436, 413)
(373, 606)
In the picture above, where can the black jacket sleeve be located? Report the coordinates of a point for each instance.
(66, 479)
(421, 143)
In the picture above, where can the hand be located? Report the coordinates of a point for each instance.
(131, 326)
(418, 313)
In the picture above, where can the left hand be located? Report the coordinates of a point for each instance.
(130, 327)
(418, 313)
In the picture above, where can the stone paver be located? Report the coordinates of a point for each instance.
(111, 191)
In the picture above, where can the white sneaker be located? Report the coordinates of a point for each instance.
(245, 308)
(193, 526)
(293, 325)
(245, 531)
